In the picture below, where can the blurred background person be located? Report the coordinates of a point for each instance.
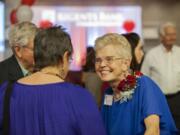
(90, 79)
(21, 37)
(43, 103)
(137, 50)
(75, 77)
(134, 104)
(163, 66)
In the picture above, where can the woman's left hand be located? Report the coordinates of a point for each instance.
(152, 125)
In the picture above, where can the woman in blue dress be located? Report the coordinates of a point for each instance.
(134, 104)
(43, 103)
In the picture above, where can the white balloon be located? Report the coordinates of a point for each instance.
(24, 13)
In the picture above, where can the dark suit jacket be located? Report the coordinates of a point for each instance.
(10, 70)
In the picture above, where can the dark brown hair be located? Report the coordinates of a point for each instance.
(90, 60)
(133, 39)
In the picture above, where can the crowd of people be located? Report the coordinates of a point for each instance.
(42, 101)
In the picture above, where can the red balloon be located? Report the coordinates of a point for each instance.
(13, 17)
(45, 24)
(27, 2)
(129, 25)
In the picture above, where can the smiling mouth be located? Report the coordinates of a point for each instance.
(105, 72)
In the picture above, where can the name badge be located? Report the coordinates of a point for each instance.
(108, 100)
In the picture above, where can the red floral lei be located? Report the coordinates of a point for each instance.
(130, 82)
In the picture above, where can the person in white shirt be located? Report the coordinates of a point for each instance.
(162, 64)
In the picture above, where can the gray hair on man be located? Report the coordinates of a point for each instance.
(21, 33)
(164, 26)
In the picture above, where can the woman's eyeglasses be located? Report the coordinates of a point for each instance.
(107, 60)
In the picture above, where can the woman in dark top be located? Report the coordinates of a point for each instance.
(89, 77)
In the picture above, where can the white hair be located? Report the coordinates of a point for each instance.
(117, 40)
(21, 33)
(164, 26)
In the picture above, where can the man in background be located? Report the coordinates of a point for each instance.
(162, 64)
(20, 64)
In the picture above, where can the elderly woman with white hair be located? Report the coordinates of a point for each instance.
(133, 104)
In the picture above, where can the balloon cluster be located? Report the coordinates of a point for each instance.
(22, 12)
